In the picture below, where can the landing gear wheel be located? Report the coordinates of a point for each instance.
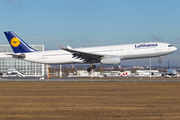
(159, 61)
(93, 66)
(89, 69)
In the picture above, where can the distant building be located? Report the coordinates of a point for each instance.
(116, 73)
(25, 67)
(119, 66)
(84, 73)
(146, 73)
(138, 67)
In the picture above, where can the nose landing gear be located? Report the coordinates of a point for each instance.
(159, 61)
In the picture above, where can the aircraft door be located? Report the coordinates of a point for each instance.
(39, 56)
(161, 48)
(128, 50)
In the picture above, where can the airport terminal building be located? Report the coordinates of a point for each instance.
(29, 69)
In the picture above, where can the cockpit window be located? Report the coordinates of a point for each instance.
(170, 45)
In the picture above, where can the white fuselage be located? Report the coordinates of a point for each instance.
(129, 51)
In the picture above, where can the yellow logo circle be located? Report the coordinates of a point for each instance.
(15, 42)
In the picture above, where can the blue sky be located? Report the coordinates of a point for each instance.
(83, 23)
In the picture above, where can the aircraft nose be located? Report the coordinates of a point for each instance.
(175, 48)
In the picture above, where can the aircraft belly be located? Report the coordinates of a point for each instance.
(145, 54)
(54, 59)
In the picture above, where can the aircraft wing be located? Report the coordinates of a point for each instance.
(85, 56)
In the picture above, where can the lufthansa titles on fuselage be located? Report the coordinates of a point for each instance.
(146, 45)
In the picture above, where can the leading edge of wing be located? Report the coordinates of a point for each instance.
(81, 54)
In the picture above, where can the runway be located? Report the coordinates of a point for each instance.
(89, 80)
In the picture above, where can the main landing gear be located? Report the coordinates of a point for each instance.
(91, 67)
(159, 61)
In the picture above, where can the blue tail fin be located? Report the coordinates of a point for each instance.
(17, 44)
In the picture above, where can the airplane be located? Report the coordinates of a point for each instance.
(111, 55)
(170, 72)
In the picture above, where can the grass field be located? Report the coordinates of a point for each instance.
(89, 100)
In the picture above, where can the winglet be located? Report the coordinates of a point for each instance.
(62, 47)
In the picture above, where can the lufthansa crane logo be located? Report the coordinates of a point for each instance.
(15, 42)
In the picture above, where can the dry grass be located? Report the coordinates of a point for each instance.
(89, 100)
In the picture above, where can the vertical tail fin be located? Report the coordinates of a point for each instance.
(17, 44)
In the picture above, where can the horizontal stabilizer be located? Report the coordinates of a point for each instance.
(20, 56)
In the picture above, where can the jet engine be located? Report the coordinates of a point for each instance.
(111, 60)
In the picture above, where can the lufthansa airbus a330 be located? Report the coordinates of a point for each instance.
(104, 54)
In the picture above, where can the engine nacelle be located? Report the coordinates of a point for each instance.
(111, 60)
